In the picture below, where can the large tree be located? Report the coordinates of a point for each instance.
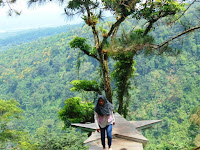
(124, 46)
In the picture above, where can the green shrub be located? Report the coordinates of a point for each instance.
(76, 111)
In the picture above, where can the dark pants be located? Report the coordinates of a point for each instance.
(108, 129)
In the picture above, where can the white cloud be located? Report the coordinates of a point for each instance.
(50, 14)
(22, 5)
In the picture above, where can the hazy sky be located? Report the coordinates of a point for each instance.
(50, 14)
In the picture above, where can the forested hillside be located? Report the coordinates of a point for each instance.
(168, 88)
(38, 75)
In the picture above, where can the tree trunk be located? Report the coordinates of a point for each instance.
(107, 88)
(105, 70)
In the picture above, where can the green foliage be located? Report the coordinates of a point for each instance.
(130, 44)
(103, 31)
(79, 42)
(168, 91)
(195, 127)
(153, 11)
(195, 118)
(74, 4)
(80, 7)
(9, 110)
(77, 5)
(39, 74)
(93, 20)
(85, 85)
(62, 140)
(124, 69)
(76, 111)
(9, 136)
(123, 51)
(138, 37)
(121, 7)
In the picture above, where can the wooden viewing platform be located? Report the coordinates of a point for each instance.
(126, 134)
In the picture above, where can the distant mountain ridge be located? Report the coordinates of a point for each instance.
(10, 39)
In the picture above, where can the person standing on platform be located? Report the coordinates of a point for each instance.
(104, 119)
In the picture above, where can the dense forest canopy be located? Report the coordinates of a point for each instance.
(39, 75)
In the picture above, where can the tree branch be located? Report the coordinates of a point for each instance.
(80, 43)
(197, 148)
(189, 30)
(153, 20)
(93, 26)
(183, 12)
(149, 27)
(89, 54)
(96, 36)
(133, 28)
(114, 33)
(116, 24)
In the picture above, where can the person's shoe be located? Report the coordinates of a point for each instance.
(110, 149)
(104, 148)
